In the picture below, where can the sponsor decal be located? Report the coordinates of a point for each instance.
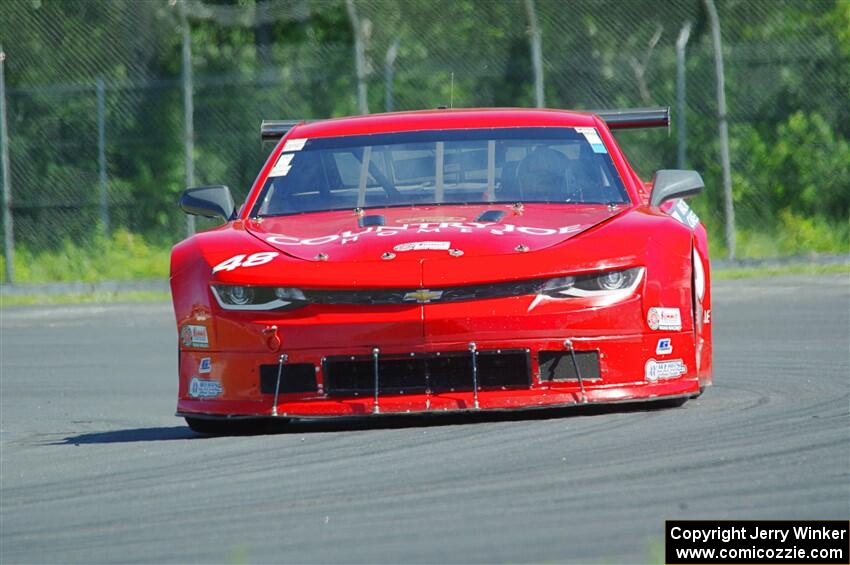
(245, 261)
(284, 163)
(660, 370)
(592, 137)
(423, 296)
(295, 144)
(416, 227)
(194, 336)
(683, 213)
(706, 317)
(186, 336)
(423, 245)
(664, 347)
(653, 318)
(664, 319)
(202, 388)
(205, 366)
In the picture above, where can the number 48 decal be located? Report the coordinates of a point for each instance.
(245, 261)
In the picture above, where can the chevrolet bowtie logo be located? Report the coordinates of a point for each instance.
(423, 295)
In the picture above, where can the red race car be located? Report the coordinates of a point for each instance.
(448, 260)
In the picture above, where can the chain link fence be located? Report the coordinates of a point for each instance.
(97, 111)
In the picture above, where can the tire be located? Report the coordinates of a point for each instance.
(223, 427)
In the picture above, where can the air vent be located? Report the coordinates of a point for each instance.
(559, 366)
(444, 372)
(297, 377)
(490, 216)
(370, 221)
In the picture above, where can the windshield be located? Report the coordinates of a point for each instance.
(553, 165)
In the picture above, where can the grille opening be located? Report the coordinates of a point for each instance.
(453, 373)
(347, 376)
(504, 370)
(297, 377)
(559, 366)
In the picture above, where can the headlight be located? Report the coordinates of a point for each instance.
(597, 284)
(615, 280)
(554, 287)
(237, 297)
(290, 294)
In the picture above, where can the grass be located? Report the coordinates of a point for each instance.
(83, 298)
(791, 235)
(802, 269)
(119, 257)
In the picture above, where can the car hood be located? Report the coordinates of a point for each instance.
(416, 233)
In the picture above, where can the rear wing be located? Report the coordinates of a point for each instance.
(625, 118)
(273, 130)
(629, 118)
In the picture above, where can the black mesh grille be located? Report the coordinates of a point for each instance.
(297, 377)
(559, 366)
(452, 371)
(450, 294)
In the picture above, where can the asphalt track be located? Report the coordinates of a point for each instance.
(96, 469)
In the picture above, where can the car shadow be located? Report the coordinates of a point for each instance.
(363, 423)
(131, 435)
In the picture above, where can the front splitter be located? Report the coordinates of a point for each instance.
(489, 401)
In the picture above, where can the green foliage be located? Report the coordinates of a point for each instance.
(787, 82)
(802, 165)
(123, 256)
(795, 234)
(791, 188)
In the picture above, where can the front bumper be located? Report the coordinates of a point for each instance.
(622, 376)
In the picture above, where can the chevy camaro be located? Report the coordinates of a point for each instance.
(438, 261)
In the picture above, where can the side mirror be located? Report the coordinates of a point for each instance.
(674, 183)
(208, 201)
